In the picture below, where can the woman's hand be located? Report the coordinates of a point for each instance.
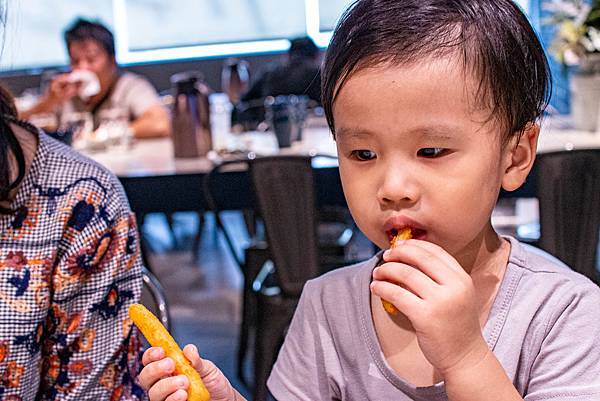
(433, 291)
(158, 380)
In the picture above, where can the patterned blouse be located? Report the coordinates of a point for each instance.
(69, 268)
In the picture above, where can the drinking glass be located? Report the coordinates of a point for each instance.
(114, 125)
(81, 126)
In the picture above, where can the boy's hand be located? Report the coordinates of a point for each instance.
(156, 377)
(433, 291)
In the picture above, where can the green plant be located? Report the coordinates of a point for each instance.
(577, 29)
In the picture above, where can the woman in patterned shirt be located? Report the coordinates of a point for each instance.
(69, 268)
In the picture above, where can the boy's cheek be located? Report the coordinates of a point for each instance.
(366, 224)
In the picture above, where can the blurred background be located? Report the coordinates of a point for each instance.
(211, 54)
(157, 38)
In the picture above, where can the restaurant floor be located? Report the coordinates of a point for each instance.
(203, 292)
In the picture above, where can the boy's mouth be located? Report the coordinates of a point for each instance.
(394, 224)
(417, 233)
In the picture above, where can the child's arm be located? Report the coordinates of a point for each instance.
(438, 297)
(483, 380)
(156, 377)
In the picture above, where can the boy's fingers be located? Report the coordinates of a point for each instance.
(191, 353)
(406, 276)
(439, 252)
(155, 371)
(152, 354)
(168, 388)
(430, 261)
(202, 366)
(401, 298)
(179, 395)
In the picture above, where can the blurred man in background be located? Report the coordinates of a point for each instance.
(299, 74)
(106, 90)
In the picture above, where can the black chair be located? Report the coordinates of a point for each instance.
(154, 298)
(238, 184)
(219, 192)
(568, 187)
(285, 193)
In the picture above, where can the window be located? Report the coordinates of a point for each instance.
(33, 35)
(329, 13)
(523, 3)
(159, 30)
(153, 24)
(156, 30)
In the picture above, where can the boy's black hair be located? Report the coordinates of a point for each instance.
(83, 29)
(492, 38)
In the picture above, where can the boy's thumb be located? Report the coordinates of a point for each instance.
(203, 367)
(191, 353)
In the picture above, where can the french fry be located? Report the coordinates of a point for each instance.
(158, 336)
(402, 235)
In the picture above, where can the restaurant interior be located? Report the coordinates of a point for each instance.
(238, 199)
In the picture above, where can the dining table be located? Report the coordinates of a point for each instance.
(156, 181)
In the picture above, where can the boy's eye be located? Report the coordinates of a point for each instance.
(362, 154)
(431, 152)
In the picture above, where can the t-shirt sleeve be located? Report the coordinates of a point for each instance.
(567, 366)
(139, 95)
(300, 372)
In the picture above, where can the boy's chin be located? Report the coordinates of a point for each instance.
(382, 244)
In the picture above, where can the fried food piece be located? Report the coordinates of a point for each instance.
(158, 336)
(402, 235)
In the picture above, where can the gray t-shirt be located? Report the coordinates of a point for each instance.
(132, 95)
(544, 328)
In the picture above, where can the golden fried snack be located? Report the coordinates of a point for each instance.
(158, 336)
(402, 235)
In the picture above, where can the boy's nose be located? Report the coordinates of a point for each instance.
(398, 188)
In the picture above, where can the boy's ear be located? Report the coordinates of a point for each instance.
(519, 157)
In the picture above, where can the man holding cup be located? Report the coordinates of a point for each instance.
(95, 84)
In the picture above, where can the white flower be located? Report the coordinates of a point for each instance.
(571, 9)
(587, 44)
(594, 35)
(571, 58)
(574, 38)
(583, 14)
